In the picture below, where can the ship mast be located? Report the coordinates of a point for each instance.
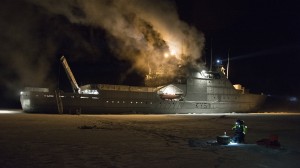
(70, 75)
(227, 68)
(210, 68)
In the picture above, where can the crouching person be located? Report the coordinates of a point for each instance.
(240, 130)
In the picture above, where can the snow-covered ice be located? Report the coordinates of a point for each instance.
(120, 141)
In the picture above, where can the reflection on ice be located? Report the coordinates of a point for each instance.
(233, 144)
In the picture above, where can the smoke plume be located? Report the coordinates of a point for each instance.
(147, 33)
(19, 50)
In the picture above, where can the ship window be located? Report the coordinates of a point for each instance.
(118, 102)
(49, 95)
(136, 102)
(131, 102)
(113, 101)
(123, 101)
(106, 101)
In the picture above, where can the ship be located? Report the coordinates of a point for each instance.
(201, 91)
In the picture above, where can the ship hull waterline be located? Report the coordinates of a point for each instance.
(36, 102)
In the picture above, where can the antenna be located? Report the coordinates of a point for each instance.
(227, 68)
(210, 69)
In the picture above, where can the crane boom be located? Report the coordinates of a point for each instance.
(70, 75)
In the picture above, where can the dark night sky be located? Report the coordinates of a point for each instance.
(263, 38)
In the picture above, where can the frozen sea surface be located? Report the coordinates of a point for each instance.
(121, 141)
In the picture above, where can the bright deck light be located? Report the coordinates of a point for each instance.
(9, 111)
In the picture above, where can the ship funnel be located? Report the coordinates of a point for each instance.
(70, 75)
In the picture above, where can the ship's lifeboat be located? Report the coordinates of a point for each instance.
(170, 92)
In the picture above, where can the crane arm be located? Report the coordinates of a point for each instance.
(70, 75)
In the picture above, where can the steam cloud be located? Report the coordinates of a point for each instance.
(19, 50)
(148, 33)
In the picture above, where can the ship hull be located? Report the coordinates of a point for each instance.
(201, 92)
(36, 102)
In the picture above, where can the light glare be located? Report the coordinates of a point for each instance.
(9, 111)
